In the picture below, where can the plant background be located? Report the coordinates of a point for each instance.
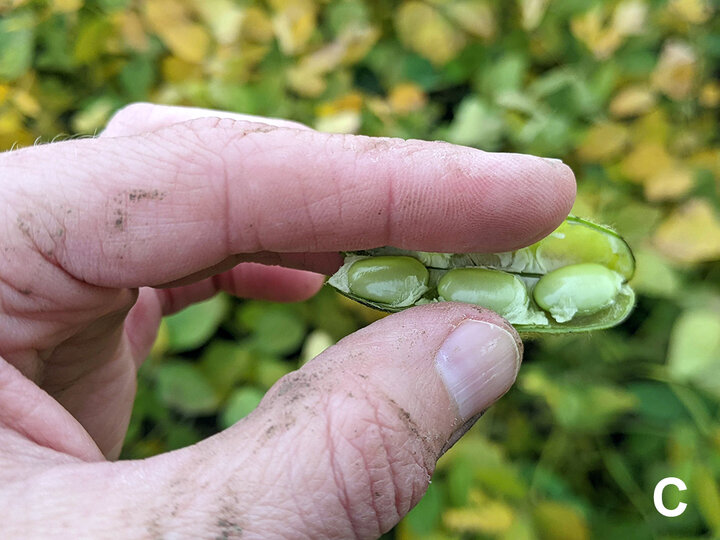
(626, 92)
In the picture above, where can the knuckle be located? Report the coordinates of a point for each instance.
(126, 116)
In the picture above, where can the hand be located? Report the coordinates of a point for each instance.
(101, 237)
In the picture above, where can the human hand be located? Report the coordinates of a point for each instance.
(104, 236)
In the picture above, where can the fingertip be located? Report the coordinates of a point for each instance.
(542, 192)
(272, 283)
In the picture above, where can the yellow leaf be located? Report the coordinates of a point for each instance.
(307, 77)
(675, 72)
(690, 11)
(223, 17)
(629, 17)
(603, 142)
(66, 6)
(356, 42)
(632, 101)
(422, 29)
(188, 41)
(710, 94)
(294, 22)
(341, 115)
(4, 92)
(651, 127)
(601, 39)
(162, 341)
(177, 70)
(10, 121)
(170, 20)
(340, 122)
(556, 521)
(26, 103)
(690, 234)
(707, 159)
(256, 25)
(475, 17)
(380, 108)
(306, 81)
(669, 184)
(532, 12)
(646, 160)
(349, 102)
(406, 97)
(490, 518)
(94, 117)
(132, 31)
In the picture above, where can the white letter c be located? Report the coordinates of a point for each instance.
(657, 496)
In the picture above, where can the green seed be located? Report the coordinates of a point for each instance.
(391, 280)
(578, 289)
(493, 289)
(576, 242)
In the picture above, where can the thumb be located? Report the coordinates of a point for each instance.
(342, 448)
(345, 446)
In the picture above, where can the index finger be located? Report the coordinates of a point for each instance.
(159, 206)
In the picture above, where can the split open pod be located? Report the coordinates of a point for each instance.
(573, 280)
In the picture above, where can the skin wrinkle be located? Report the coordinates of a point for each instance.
(393, 476)
(362, 449)
(371, 487)
(337, 473)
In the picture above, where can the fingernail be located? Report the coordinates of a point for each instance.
(554, 161)
(478, 362)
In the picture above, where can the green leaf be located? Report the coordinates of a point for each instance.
(270, 369)
(241, 403)
(182, 386)
(225, 363)
(17, 39)
(694, 352)
(426, 516)
(194, 325)
(707, 495)
(656, 401)
(182, 435)
(277, 329)
(91, 40)
(137, 77)
(476, 124)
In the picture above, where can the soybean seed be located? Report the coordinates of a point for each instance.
(492, 289)
(391, 280)
(578, 289)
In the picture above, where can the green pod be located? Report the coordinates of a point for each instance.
(573, 280)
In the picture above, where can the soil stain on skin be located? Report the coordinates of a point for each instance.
(228, 529)
(119, 217)
(135, 195)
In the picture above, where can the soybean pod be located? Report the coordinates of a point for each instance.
(573, 280)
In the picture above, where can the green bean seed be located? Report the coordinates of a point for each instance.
(493, 289)
(577, 289)
(574, 243)
(390, 280)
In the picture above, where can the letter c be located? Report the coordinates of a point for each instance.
(657, 496)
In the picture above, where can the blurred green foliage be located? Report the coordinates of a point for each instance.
(626, 92)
